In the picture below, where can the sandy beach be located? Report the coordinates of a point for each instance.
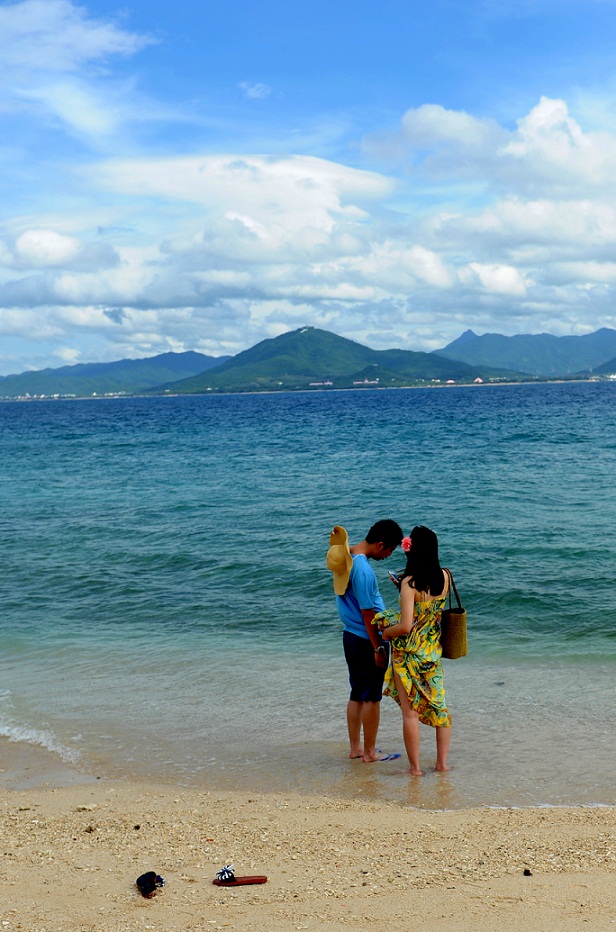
(71, 856)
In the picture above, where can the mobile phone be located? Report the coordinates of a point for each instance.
(394, 577)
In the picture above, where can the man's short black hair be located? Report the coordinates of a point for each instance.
(386, 532)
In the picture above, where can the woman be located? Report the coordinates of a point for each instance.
(415, 675)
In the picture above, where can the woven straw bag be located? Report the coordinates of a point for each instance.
(453, 627)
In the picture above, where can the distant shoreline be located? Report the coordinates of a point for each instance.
(309, 391)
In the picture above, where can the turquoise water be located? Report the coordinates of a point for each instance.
(166, 612)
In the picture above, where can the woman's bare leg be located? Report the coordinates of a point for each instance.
(410, 729)
(443, 739)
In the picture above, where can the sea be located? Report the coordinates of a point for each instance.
(166, 613)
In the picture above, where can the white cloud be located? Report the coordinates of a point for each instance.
(441, 142)
(429, 267)
(548, 151)
(252, 209)
(255, 91)
(250, 181)
(389, 267)
(499, 279)
(583, 274)
(41, 248)
(551, 146)
(68, 355)
(54, 62)
(530, 231)
(46, 247)
(58, 36)
(80, 107)
(495, 228)
(432, 125)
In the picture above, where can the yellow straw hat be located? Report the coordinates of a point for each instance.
(339, 559)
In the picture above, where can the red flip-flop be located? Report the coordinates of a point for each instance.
(240, 881)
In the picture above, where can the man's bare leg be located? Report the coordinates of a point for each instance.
(354, 723)
(371, 719)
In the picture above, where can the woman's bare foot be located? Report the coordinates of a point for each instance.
(442, 768)
(416, 773)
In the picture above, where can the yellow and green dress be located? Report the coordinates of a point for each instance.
(416, 658)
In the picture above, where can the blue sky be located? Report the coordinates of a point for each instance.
(202, 176)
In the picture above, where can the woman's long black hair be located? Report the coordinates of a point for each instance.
(422, 564)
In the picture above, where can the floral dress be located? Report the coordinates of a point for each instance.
(416, 658)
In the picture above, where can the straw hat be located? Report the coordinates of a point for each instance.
(339, 559)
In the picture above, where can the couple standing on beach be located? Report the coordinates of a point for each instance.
(413, 677)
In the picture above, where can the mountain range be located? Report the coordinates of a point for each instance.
(541, 354)
(127, 376)
(313, 359)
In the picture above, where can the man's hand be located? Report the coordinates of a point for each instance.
(381, 657)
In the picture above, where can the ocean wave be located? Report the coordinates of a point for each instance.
(39, 738)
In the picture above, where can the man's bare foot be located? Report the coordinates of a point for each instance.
(442, 768)
(416, 773)
(378, 756)
(354, 755)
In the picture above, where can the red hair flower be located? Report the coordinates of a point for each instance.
(406, 544)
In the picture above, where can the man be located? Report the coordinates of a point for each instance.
(358, 599)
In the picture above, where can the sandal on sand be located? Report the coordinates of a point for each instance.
(148, 883)
(240, 881)
(225, 877)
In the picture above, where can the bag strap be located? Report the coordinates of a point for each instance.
(452, 585)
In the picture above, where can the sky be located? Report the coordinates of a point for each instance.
(205, 174)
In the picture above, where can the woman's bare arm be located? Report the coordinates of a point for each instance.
(407, 602)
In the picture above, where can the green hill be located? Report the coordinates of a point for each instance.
(608, 368)
(313, 358)
(541, 354)
(126, 376)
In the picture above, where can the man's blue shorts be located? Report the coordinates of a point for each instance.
(365, 677)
